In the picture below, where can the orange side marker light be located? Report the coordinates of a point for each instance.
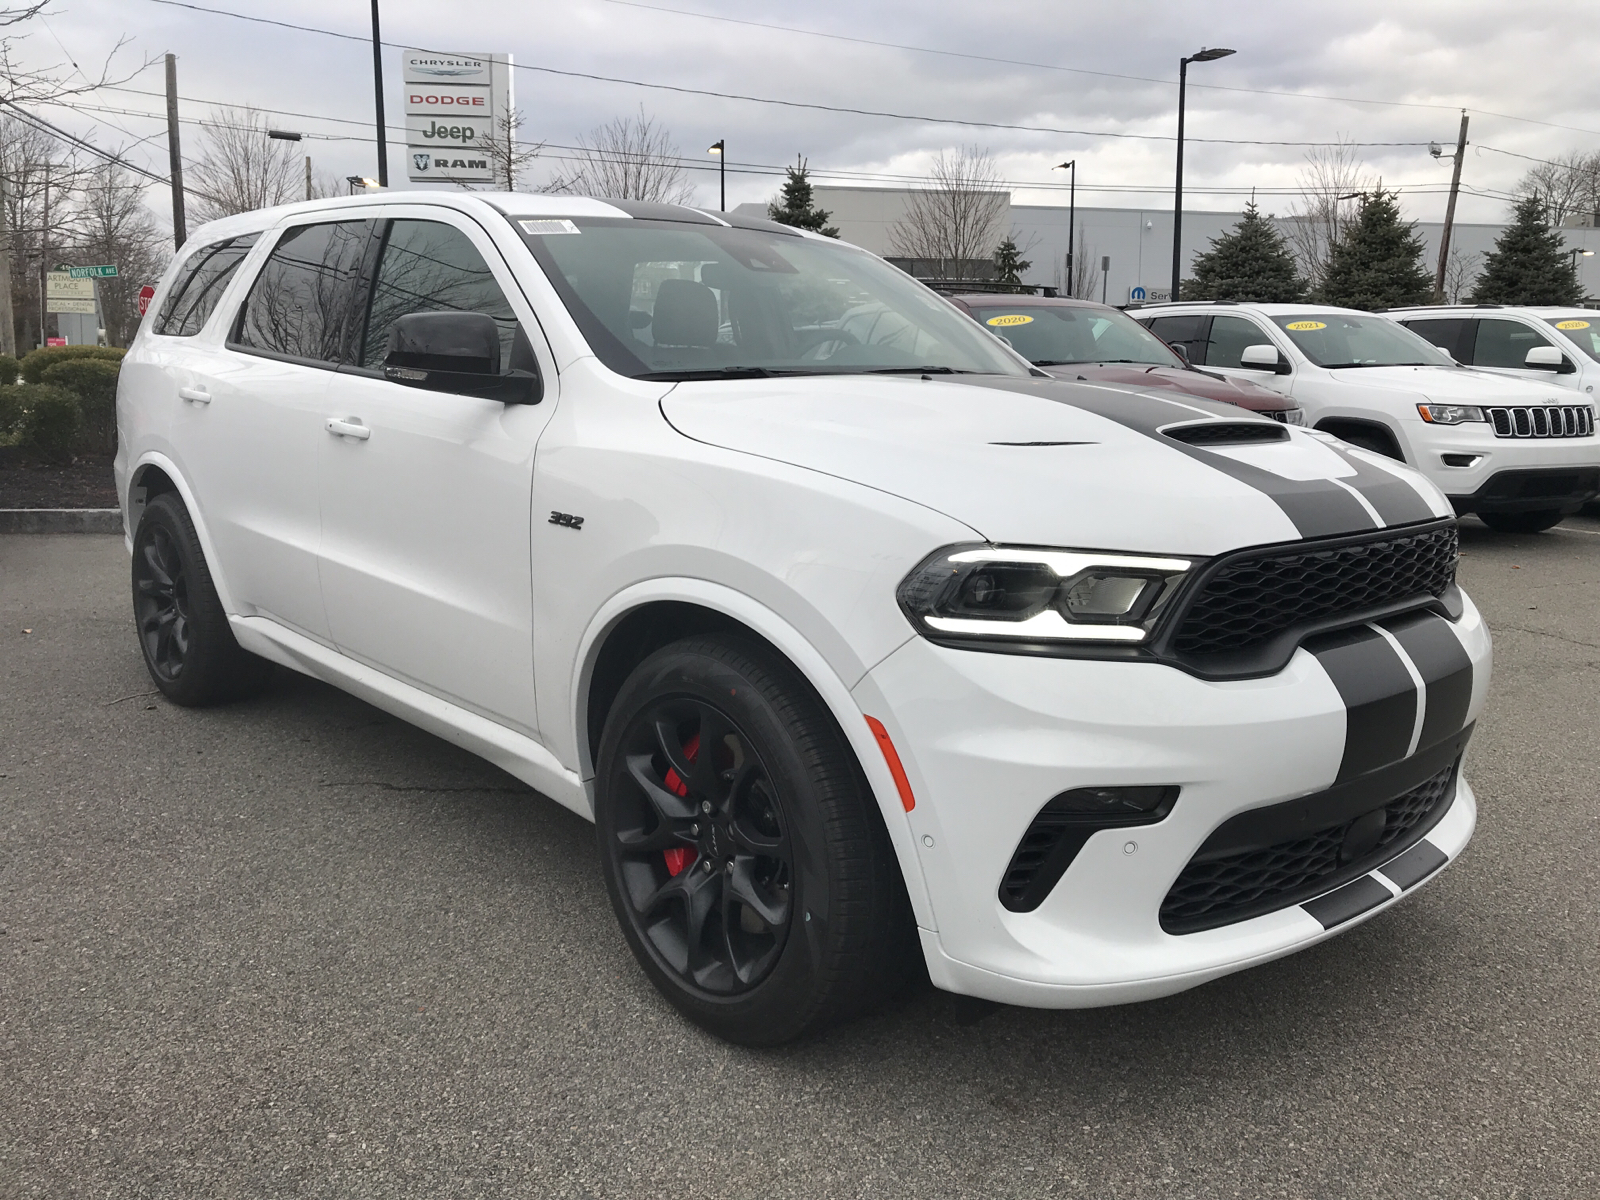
(892, 757)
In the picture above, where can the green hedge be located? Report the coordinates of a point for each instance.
(8, 370)
(36, 362)
(11, 412)
(94, 382)
(51, 419)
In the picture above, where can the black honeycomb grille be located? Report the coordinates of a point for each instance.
(1223, 890)
(1253, 598)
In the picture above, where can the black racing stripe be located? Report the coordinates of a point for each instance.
(1397, 502)
(1348, 902)
(1379, 695)
(1318, 507)
(1442, 662)
(1415, 865)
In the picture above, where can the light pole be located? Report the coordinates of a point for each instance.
(288, 135)
(1575, 255)
(377, 88)
(1177, 198)
(358, 181)
(717, 148)
(1072, 216)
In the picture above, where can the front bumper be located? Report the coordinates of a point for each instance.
(987, 739)
(1495, 468)
(1565, 488)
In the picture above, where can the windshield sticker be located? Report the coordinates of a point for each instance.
(1010, 319)
(537, 226)
(1572, 324)
(1305, 326)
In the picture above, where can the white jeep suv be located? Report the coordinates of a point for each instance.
(1520, 455)
(866, 648)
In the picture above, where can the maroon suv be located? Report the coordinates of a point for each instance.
(1079, 339)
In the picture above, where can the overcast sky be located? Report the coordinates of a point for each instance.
(1527, 73)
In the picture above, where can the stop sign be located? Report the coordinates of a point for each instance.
(146, 294)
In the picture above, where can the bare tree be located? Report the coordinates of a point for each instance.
(241, 168)
(40, 175)
(1566, 185)
(1083, 267)
(1330, 187)
(113, 225)
(1460, 274)
(958, 218)
(630, 158)
(509, 155)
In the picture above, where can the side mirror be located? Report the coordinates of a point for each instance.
(1180, 350)
(1548, 358)
(1263, 358)
(459, 352)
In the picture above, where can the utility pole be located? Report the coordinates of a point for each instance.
(8, 328)
(44, 255)
(377, 87)
(180, 232)
(1450, 211)
(308, 177)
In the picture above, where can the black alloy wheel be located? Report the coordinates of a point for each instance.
(188, 646)
(744, 852)
(703, 855)
(1523, 522)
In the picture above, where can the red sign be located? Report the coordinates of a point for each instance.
(146, 294)
(55, 341)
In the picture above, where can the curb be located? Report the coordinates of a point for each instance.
(60, 520)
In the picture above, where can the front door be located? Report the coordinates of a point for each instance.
(1229, 338)
(1502, 346)
(425, 558)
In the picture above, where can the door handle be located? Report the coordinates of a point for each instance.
(349, 429)
(194, 395)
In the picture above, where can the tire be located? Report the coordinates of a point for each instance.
(1522, 522)
(183, 633)
(757, 888)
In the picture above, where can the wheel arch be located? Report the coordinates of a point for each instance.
(644, 618)
(153, 475)
(1380, 430)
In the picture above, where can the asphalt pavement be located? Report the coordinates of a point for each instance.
(294, 947)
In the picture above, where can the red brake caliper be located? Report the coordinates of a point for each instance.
(680, 857)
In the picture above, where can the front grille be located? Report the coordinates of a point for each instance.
(1223, 890)
(1257, 595)
(1542, 421)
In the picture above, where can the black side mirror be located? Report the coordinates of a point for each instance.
(459, 352)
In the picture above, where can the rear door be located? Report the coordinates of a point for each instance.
(1451, 334)
(1188, 331)
(426, 522)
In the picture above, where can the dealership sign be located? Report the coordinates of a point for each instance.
(452, 104)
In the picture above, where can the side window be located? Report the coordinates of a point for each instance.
(1447, 333)
(1188, 332)
(199, 284)
(302, 305)
(428, 266)
(1229, 337)
(1502, 343)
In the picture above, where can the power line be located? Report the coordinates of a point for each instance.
(800, 104)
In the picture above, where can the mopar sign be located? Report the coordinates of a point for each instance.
(1139, 294)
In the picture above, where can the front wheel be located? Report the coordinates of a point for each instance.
(1522, 522)
(742, 849)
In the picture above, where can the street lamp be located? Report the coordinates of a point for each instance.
(1177, 199)
(288, 135)
(1576, 253)
(358, 181)
(722, 172)
(1072, 215)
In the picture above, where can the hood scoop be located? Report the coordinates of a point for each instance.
(1227, 433)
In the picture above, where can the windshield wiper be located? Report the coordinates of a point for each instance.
(1342, 366)
(691, 373)
(922, 371)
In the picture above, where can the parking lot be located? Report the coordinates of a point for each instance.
(296, 947)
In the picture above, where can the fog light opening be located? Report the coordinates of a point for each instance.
(1461, 460)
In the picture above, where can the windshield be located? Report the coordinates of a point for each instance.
(1351, 340)
(1057, 334)
(1581, 332)
(678, 300)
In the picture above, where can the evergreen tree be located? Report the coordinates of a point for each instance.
(1008, 261)
(1530, 263)
(1378, 262)
(794, 205)
(1252, 262)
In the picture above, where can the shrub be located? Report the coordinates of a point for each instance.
(8, 370)
(94, 382)
(11, 411)
(50, 421)
(35, 362)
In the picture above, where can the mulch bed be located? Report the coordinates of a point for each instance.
(28, 483)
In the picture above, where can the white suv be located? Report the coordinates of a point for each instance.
(865, 647)
(1519, 454)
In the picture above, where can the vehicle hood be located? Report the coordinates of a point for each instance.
(1048, 462)
(1451, 385)
(1193, 383)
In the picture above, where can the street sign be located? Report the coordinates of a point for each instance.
(146, 294)
(65, 294)
(453, 102)
(105, 271)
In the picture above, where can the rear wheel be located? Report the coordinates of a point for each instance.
(188, 646)
(742, 849)
(1522, 522)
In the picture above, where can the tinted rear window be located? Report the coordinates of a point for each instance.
(302, 305)
(199, 285)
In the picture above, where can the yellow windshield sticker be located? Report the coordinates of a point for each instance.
(1572, 324)
(1010, 319)
(1305, 326)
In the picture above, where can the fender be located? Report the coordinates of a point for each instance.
(130, 521)
(810, 663)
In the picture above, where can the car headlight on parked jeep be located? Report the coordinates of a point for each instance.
(1450, 414)
(1024, 594)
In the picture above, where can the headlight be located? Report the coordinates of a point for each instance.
(1450, 414)
(1015, 594)
(1295, 416)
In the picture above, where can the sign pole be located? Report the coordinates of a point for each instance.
(377, 87)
